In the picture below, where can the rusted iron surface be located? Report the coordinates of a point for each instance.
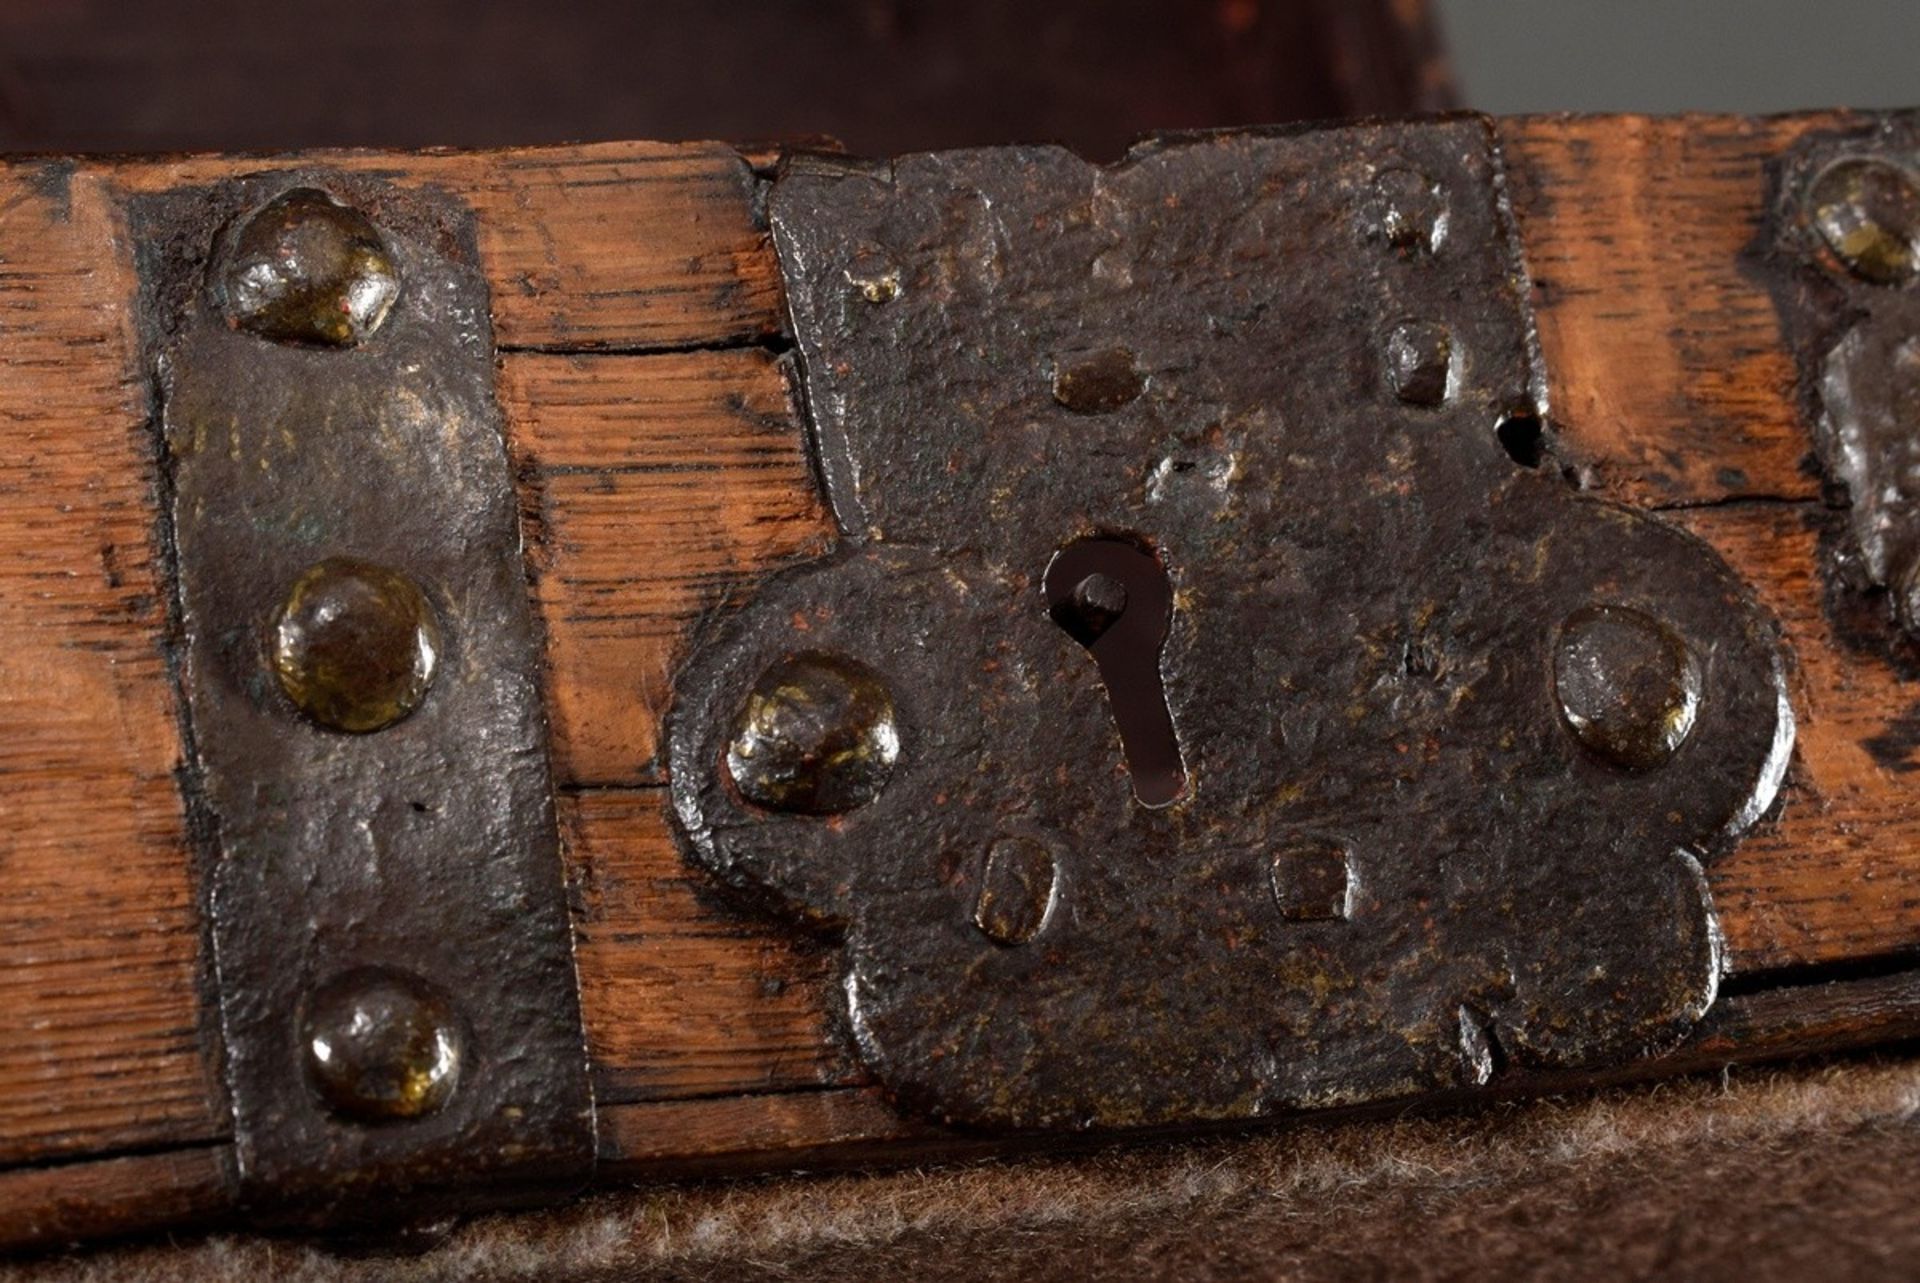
(1843, 257)
(1275, 363)
(394, 969)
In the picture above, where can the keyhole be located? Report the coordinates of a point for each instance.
(1113, 597)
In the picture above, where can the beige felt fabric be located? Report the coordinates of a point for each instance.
(1804, 1174)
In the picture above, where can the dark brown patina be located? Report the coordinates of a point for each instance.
(382, 1046)
(1628, 685)
(815, 736)
(1841, 252)
(355, 645)
(307, 269)
(1393, 865)
(1867, 209)
(394, 968)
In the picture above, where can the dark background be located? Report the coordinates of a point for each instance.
(884, 76)
(887, 76)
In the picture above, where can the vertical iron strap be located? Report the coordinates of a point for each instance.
(357, 662)
(1841, 255)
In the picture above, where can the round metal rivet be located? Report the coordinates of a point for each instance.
(1407, 210)
(1868, 212)
(1018, 885)
(1098, 382)
(381, 1046)
(816, 736)
(1420, 362)
(1313, 880)
(874, 276)
(881, 287)
(306, 269)
(355, 645)
(1627, 684)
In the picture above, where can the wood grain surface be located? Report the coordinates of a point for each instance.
(653, 488)
(661, 465)
(623, 247)
(1673, 388)
(1667, 368)
(99, 941)
(102, 1042)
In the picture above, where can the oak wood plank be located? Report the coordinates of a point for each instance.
(1666, 366)
(73, 1202)
(731, 1134)
(682, 997)
(41, 1207)
(657, 488)
(608, 246)
(1836, 876)
(99, 938)
(652, 489)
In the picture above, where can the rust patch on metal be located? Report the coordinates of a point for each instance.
(394, 965)
(1393, 865)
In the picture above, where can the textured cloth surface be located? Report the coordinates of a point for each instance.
(1806, 1174)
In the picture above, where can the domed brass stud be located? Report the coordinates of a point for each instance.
(381, 1046)
(355, 645)
(307, 269)
(816, 736)
(1627, 684)
(1868, 212)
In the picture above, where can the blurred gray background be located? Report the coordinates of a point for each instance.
(1683, 55)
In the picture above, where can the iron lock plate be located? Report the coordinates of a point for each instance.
(393, 963)
(1442, 744)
